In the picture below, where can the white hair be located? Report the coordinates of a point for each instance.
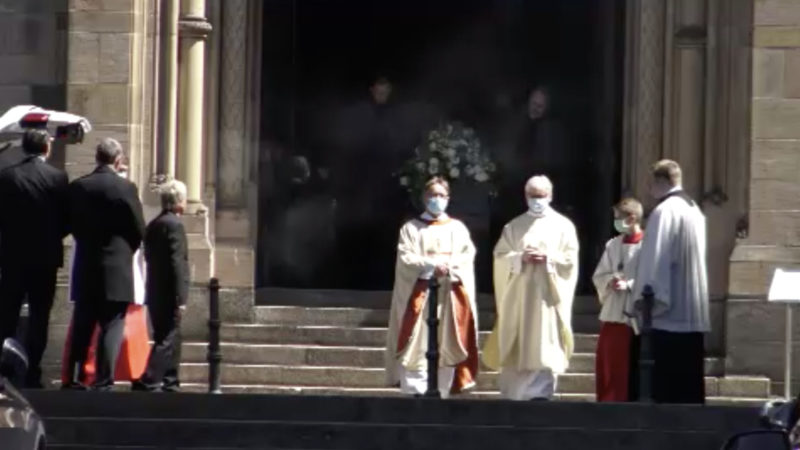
(173, 193)
(539, 183)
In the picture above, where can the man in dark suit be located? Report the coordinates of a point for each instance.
(33, 224)
(107, 223)
(166, 290)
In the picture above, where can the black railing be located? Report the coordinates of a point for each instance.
(433, 337)
(646, 346)
(214, 354)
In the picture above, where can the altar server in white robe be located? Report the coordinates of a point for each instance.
(433, 245)
(614, 279)
(672, 261)
(535, 273)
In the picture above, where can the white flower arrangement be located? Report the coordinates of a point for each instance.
(451, 151)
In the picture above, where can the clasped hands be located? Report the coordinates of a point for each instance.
(533, 256)
(441, 270)
(618, 284)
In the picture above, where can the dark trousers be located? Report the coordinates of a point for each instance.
(678, 372)
(165, 357)
(38, 285)
(111, 318)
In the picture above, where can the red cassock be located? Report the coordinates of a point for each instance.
(133, 354)
(613, 362)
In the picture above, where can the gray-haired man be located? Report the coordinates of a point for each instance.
(167, 288)
(107, 223)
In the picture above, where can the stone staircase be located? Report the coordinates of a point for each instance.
(338, 350)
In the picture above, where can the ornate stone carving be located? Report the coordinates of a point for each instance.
(194, 27)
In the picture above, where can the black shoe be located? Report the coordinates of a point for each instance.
(102, 387)
(72, 386)
(139, 386)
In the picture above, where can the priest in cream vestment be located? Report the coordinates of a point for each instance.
(535, 273)
(433, 245)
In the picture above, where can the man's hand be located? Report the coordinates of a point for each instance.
(441, 270)
(619, 284)
(534, 256)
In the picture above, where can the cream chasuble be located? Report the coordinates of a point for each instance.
(533, 330)
(422, 245)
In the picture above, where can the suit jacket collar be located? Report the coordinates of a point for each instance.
(104, 169)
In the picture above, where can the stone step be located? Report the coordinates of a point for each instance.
(388, 392)
(371, 317)
(313, 355)
(354, 356)
(134, 420)
(244, 374)
(277, 389)
(358, 377)
(339, 336)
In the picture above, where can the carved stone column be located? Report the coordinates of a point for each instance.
(233, 143)
(644, 91)
(167, 88)
(194, 28)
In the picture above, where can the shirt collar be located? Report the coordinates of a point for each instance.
(544, 213)
(428, 217)
(634, 238)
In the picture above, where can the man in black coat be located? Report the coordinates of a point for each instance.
(107, 223)
(33, 224)
(166, 289)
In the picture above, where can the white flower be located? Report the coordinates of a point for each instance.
(433, 170)
(454, 172)
(432, 146)
(421, 166)
(433, 161)
(403, 181)
(481, 176)
(450, 152)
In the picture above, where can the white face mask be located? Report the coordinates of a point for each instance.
(621, 226)
(436, 205)
(538, 206)
(123, 174)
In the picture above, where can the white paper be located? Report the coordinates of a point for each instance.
(785, 286)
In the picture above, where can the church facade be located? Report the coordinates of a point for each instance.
(713, 84)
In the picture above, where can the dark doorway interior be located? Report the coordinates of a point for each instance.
(467, 60)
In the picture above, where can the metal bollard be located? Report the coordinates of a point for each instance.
(646, 362)
(433, 340)
(214, 355)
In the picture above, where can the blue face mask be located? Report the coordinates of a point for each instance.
(538, 205)
(436, 205)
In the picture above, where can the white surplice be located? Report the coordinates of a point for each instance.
(424, 243)
(672, 261)
(619, 259)
(532, 340)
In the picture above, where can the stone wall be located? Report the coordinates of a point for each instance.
(109, 73)
(32, 53)
(755, 329)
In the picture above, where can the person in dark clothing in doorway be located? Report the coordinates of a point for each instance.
(107, 223)
(33, 223)
(167, 288)
(369, 148)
